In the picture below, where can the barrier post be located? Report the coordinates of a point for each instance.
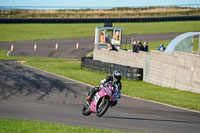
(77, 45)
(56, 47)
(12, 48)
(35, 47)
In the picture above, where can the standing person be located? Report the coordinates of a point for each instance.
(134, 46)
(102, 38)
(140, 47)
(116, 37)
(161, 47)
(146, 47)
(111, 47)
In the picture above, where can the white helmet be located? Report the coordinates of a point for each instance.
(117, 75)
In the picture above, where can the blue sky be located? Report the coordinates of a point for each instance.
(96, 3)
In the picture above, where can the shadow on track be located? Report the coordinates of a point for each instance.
(51, 53)
(17, 80)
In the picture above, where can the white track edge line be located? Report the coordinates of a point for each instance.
(122, 94)
(8, 53)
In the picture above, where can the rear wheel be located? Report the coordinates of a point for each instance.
(102, 106)
(86, 110)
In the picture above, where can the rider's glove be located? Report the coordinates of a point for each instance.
(102, 82)
(101, 86)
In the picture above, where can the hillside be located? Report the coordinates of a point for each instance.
(101, 13)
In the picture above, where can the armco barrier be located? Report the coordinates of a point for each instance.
(101, 20)
(130, 73)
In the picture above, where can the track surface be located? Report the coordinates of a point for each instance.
(31, 94)
(27, 93)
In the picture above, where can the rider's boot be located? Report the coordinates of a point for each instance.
(88, 98)
(114, 103)
(91, 93)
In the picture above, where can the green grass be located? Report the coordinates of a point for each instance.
(21, 32)
(162, 94)
(71, 68)
(21, 126)
(159, 27)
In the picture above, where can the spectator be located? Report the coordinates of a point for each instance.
(146, 47)
(140, 47)
(161, 47)
(111, 47)
(134, 46)
(102, 38)
(116, 35)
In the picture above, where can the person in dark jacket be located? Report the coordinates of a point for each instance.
(146, 47)
(140, 47)
(111, 47)
(134, 46)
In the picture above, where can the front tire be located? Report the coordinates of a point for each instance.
(102, 108)
(86, 110)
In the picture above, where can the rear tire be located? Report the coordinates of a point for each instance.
(86, 110)
(106, 105)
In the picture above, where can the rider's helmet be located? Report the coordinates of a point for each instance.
(117, 75)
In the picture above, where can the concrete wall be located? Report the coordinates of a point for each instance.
(179, 70)
(122, 57)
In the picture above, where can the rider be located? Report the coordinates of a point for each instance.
(115, 78)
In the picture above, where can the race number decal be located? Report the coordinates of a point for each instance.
(96, 96)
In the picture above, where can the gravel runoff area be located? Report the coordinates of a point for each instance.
(67, 47)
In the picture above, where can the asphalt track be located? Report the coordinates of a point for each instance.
(30, 94)
(67, 47)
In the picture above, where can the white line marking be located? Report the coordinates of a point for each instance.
(122, 94)
(8, 53)
(165, 104)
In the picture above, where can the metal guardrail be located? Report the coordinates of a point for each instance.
(103, 20)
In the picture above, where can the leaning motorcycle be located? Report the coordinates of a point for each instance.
(101, 101)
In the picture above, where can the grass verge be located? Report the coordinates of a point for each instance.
(21, 32)
(72, 68)
(21, 126)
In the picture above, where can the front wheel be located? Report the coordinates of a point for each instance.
(86, 110)
(102, 106)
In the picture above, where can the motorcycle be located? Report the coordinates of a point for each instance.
(100, 102)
